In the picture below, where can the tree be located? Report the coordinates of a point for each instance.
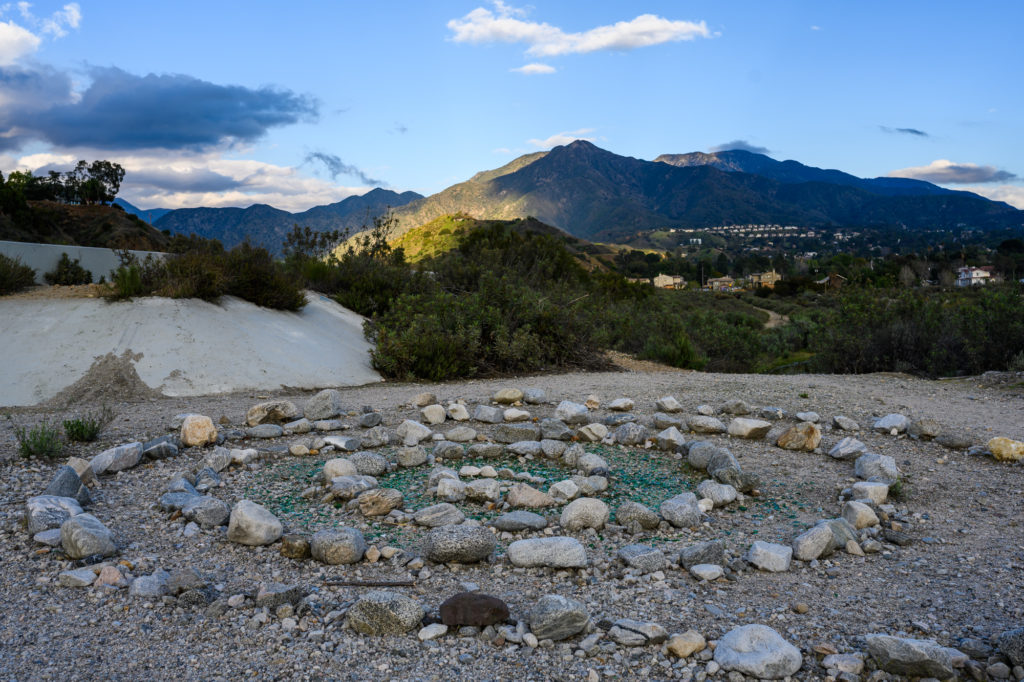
(104, 181)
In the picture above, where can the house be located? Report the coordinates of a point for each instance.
(764, 279)
(670, 282)
(833, 281)
(970, 276)
(721, 283)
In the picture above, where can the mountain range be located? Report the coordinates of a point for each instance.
(597, 195)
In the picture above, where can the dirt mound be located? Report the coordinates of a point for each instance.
(110, 378)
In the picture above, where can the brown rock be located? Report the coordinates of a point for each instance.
(295, 546)
(109, 575)
(522, 495)
(198, 430)
(473, 608)
(686, 644)
(1006, 450)
(273, 411)
(803, 436)
(380, 501)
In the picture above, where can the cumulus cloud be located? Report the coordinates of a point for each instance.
(120, 110)
(335, 166)
(943, 171)
(18, 41)
(1011, 194)
(534, 69)
(505, 25)
(563, 138)
(741, 145)
(905, 131)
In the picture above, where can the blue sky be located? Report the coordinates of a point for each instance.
(298, 104)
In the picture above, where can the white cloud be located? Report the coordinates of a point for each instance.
(1011, 194)
(815, 28)
(503, 26)
(944, 171)
(58, 23)
(533, 69)
(563, 138)
(16, 42)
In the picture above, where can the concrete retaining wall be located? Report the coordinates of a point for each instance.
(44, 257)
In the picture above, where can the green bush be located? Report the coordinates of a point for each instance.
(253, 275)
(42, 440)
(68, 272)
(14, 275)
(86, 428)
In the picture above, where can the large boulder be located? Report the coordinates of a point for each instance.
(272, 412)
(337, 546)
(384, 613)
(914, 657)
(459, 544)
(552, 552)
(556, 617)
(85, 535)
(251, 524)
(758, 651)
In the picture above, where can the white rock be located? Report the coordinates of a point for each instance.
(668, 404)
(593, 432)
(758, 651)
(743, 427)
(621, 405)
(432, 631)
(458, 412)
(339, 466)
(513, 414)
(583, 513)
(572, 413)
(553, 552)
(412, 432)
(707, 572)
(432, 414)
(870, 490)
(859, 515)
(251, 524)
(451, 490)
(564, 491)
(769, 556)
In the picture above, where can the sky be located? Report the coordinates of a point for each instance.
(304, 103)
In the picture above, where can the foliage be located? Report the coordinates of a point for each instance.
(95, 183)
(42, 440)
(86, 428)
(68, 272)
(14, 275)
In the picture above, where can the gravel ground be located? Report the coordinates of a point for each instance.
(961, 578)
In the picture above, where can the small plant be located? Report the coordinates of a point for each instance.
(127, 282)
(42, 440)
(86, 428)
(68, 272)
(1016, 363)
(14, 275)
(804, 396)
(898, 490)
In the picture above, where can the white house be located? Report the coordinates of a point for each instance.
(969, 276)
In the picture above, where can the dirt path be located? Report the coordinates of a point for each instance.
(774, 319)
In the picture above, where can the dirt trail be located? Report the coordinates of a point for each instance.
(774, 319)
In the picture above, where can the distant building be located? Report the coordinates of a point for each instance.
(721, 283)
(696, 241)
(670, 282)
(833, 281)
(764, 279)
(970, 276)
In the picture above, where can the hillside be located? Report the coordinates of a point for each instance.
(49, 222)
(267, 226)
(597, 195)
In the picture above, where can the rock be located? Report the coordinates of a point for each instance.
(516, 521)
(160, 448)
(954, 441)
(485, 450)
(769, 556)
(461, 434)
(324, 405)
(700, 453)
(84, 535)
(707, 410)
(439, 472)
(507, 396)
(50, 538)
(704, 424)
(924, 429)
(79, 577)
(265, 431)
(206, 480)
(870, 490)
(553, 449)
(116, 459)
(296, 546)
(707, 572)
(736, 407)
(380, 501)
(556, 617)
(525, 448)
(670, 439)
(803, 436)
(325, 425)
(593, 432)
(369, 463)
(628, 632)
(686, 644)
(845, 663)
(812, 417)
(488, 414)
(432, 631)
(473, 609)
(534, 396)
(44, 512)
(273, 412)
(368, 420)
(151, 586)
(621, 405)
(459, 544)
(842, 531)
(643, 558)
(668, 404)
(342, 443)
(251, 524)
(171, 502)
(345, 488)
(1011, 643)
(564, 491)
(1006, 450)
(710, 552)
(632, 513)
(552, 552)
(197, 430)
(514, 414)
(424, 399)
(859, 515)
(337, 546)
(724, 468)
(484, 490)
(458, 412)
(376, 437)
(590, 463)
(298, 449)
(741, 427)
(523, 495)
(218, 460)
(443, 514)
(891, 424)
(451, 490)
(412, 432)
(512, 433)
(384, 613)
(572, 455)
(411, 457)
(630, 433)
(758, 651)
(874, 467)
(813, 543)
(206, 510)
(681, 511)
(81, 468)
(845, 423)
(772, 413)
(586, 512)
(434, 414)
(847, 448)
(914, 657)
(590, 485)
(719, 493)
(570, 413)
(273, 595)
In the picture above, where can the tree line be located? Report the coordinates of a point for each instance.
(87, 183)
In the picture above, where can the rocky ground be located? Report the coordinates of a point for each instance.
(942, 558)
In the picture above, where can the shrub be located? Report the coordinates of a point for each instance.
(126, 282)
(86, 428)
(42, 440)
(68, 272)
(14, 275)
(253, 275)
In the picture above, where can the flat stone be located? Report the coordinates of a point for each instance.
(50, 538)
(432, 631)
(525, 496)
(621, 405)
(345, 488)
(845, 423)
(424, 399)
(507, 396)
(914, 657)
(643, 558)
(742, 427)
(736, 406)
(461, 434)
(564, 491)
(218, 459)
(384, 613)
(459, 544)
(512, 433)
(556, 617)
(758, 651)
(847, 448)
(272, 412)
(593, 433)
(485, 450)
(488, 414)
(552, 552)
(299, 426)
(890, 422)
(161, 447)
(116, 459)
(265, 431)
(845, 663)
(273, 595)
(79, 577)
(707, 572)
(628, 632)
(437, 515)
(665, 421)
(450, 490)
(520, 520)
(769, 556)
(525, 448)
(686, 644)
(705, 424)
